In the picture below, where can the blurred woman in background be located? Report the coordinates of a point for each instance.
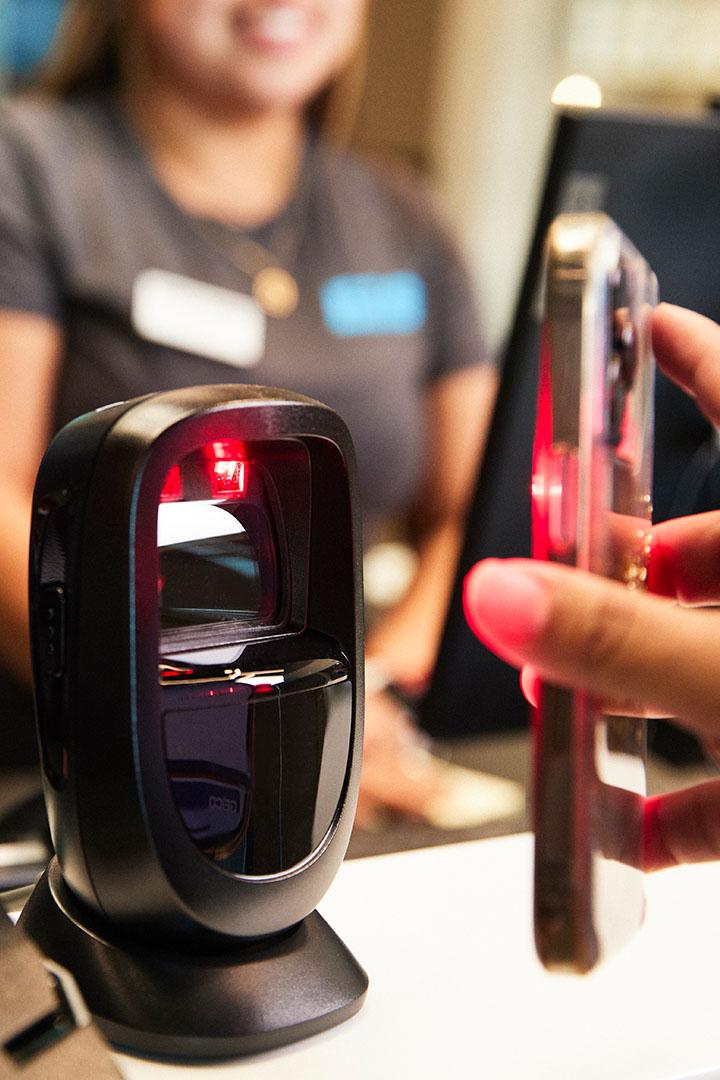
(175, 144)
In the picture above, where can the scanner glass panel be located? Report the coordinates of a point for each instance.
(209, 566)
(215, 539)
(257, 724)
(257, 767)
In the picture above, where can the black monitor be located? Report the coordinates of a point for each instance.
(657, 176)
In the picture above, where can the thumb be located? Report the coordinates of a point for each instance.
(582, 631)
(682, 826)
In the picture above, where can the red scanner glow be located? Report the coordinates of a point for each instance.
(172, 488)
(224, 466)
(226, 471)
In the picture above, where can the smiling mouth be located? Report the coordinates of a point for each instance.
(279, 25)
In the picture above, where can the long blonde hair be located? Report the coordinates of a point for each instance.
(85, 59)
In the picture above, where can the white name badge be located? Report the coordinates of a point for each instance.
(208, 320)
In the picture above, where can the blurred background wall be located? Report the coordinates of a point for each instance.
(461, 89)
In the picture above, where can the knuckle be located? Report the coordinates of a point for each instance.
(708, 832)
(607, 628)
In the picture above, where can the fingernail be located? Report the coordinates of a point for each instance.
(655, 854)
(660, 578)
(506, 604)
(529, 684)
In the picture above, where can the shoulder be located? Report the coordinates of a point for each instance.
(387, 188)
(389, 214)
(59, 160)
(35, 118)
(51, 132)
(391, 221)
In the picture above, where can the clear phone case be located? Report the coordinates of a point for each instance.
(591, 485)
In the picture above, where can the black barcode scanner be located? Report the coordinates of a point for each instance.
(195, 598)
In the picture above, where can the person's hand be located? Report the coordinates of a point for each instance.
(638, 652)
(398, 773)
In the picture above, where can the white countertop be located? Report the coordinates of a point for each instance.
(445, 935)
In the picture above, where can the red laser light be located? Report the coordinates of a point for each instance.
(227, 468)
(172, 488)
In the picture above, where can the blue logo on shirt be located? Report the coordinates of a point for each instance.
(362, 304)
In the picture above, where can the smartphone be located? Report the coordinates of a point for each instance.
(591, 486)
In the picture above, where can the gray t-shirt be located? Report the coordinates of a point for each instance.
(385, 305)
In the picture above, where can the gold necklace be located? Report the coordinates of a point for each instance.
(273, 287)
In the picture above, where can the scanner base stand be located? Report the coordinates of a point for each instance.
(174, 1003)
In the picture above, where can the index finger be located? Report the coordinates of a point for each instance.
(685, 559)
(682, 826)
(687, 348)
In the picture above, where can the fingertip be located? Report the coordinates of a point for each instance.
(475, 587)
(655, 855)
(679, 336)
(668, 316)
(682, 826)
(530, 684)
(665, 310)
(474, 594)
(660, 577)
(506, 603)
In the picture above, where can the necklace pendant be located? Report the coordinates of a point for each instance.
(276, 291)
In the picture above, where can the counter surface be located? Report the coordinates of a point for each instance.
(456, 992)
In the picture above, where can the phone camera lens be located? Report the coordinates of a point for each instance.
(624, 345)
